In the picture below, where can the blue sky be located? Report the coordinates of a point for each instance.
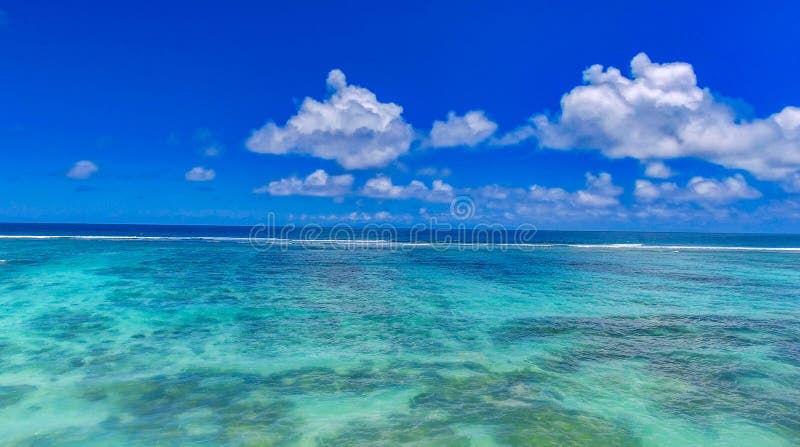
(211, 113)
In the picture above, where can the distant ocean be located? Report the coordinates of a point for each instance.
(182, 335)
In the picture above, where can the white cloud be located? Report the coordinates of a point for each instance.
(540, 204)
(318, 183)
(351, 127)
(699, 190)
(516, 136)
(599, 200)
(495, 192)
(379, 217)
(381, 187)
(544, 194)
(792, 184)
(647, 191)
(657, 169)
(787, 210)
(434, 172)
(356, 216)
(82, 170)
(599, 192)
(467, 130)
(200, 174)
(661, 113)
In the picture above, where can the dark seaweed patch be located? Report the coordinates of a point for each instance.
(69, 325)
(318, 381)
(512, 406)
(11, 394)
(233, 404)
(700, 350)
(728, 330)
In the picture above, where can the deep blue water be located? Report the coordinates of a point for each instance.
(400, 234)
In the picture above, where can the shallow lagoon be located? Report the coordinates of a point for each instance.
(169, 342)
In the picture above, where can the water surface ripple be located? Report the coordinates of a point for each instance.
(175, 342)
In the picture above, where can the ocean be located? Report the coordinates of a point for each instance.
(166, 335)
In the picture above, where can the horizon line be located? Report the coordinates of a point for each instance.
(360, 225)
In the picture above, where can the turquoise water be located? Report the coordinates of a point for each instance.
(210, 342)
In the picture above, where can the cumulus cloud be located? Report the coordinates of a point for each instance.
(516, 136)
(786, 210)
(356, 216)
(539, 204)
(434, 172)
(200, 174)
(598, 200)
(319, 183)
(661, 113)
(351, 126)
(699, 190)
(82, 170)
(657, 169)
(468, 130)
(381, 187)
(600, 192)
(792, 184)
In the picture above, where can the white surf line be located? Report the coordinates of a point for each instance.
(125, 238)
(685, 247)
(383, 243)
